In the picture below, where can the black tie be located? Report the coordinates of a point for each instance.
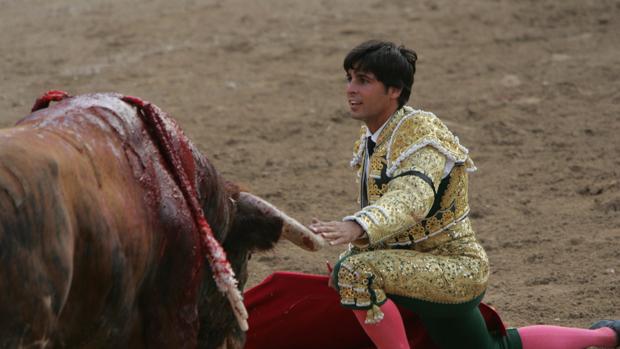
(371, 146)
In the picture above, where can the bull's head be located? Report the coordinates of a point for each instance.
(256, 226)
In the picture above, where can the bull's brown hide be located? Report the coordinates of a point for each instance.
(97, 245)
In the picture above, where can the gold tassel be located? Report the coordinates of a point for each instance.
(374, 315)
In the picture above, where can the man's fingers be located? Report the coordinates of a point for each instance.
(331, 235)
(317, 226)
(337, 238)
(339, 241)
(322, 227)
(333, 226)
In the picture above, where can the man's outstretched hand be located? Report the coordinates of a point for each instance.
(337, 233)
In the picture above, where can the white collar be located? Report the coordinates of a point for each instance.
(375, 136)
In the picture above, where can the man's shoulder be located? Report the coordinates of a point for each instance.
(418, 129)
(419, 123)
(419, 126)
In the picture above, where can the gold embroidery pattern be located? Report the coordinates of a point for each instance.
(449, 279)
(391, 125)
(424, 128)
(358, 285)
(387, 217)
(377, 162)
(427, 228)
(405, 200)
(375, 191)
(457, 190)
(453, 207)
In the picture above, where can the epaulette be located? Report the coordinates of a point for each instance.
(418, 129)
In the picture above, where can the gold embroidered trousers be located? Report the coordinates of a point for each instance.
(455, 272)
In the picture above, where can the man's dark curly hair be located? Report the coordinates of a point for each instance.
(393, 65)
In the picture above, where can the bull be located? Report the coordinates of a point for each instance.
(104, 205)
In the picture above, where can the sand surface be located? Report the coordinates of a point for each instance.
(531, 87)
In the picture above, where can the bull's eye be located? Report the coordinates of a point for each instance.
(249, 255)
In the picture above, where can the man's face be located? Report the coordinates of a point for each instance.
(368, 99)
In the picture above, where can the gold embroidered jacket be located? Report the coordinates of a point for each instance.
(416, 183)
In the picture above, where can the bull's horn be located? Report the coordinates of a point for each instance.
(292, 230)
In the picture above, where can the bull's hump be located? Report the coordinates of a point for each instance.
(103, 110)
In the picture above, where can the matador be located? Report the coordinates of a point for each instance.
(412, 242)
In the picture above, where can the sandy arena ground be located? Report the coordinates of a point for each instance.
(531, 87)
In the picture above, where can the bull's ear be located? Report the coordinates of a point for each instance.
(252, 230)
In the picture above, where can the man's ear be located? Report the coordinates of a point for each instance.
(394, 92)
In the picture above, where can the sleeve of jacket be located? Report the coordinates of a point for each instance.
(408, 198)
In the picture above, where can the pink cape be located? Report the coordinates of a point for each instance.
(294, 310)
